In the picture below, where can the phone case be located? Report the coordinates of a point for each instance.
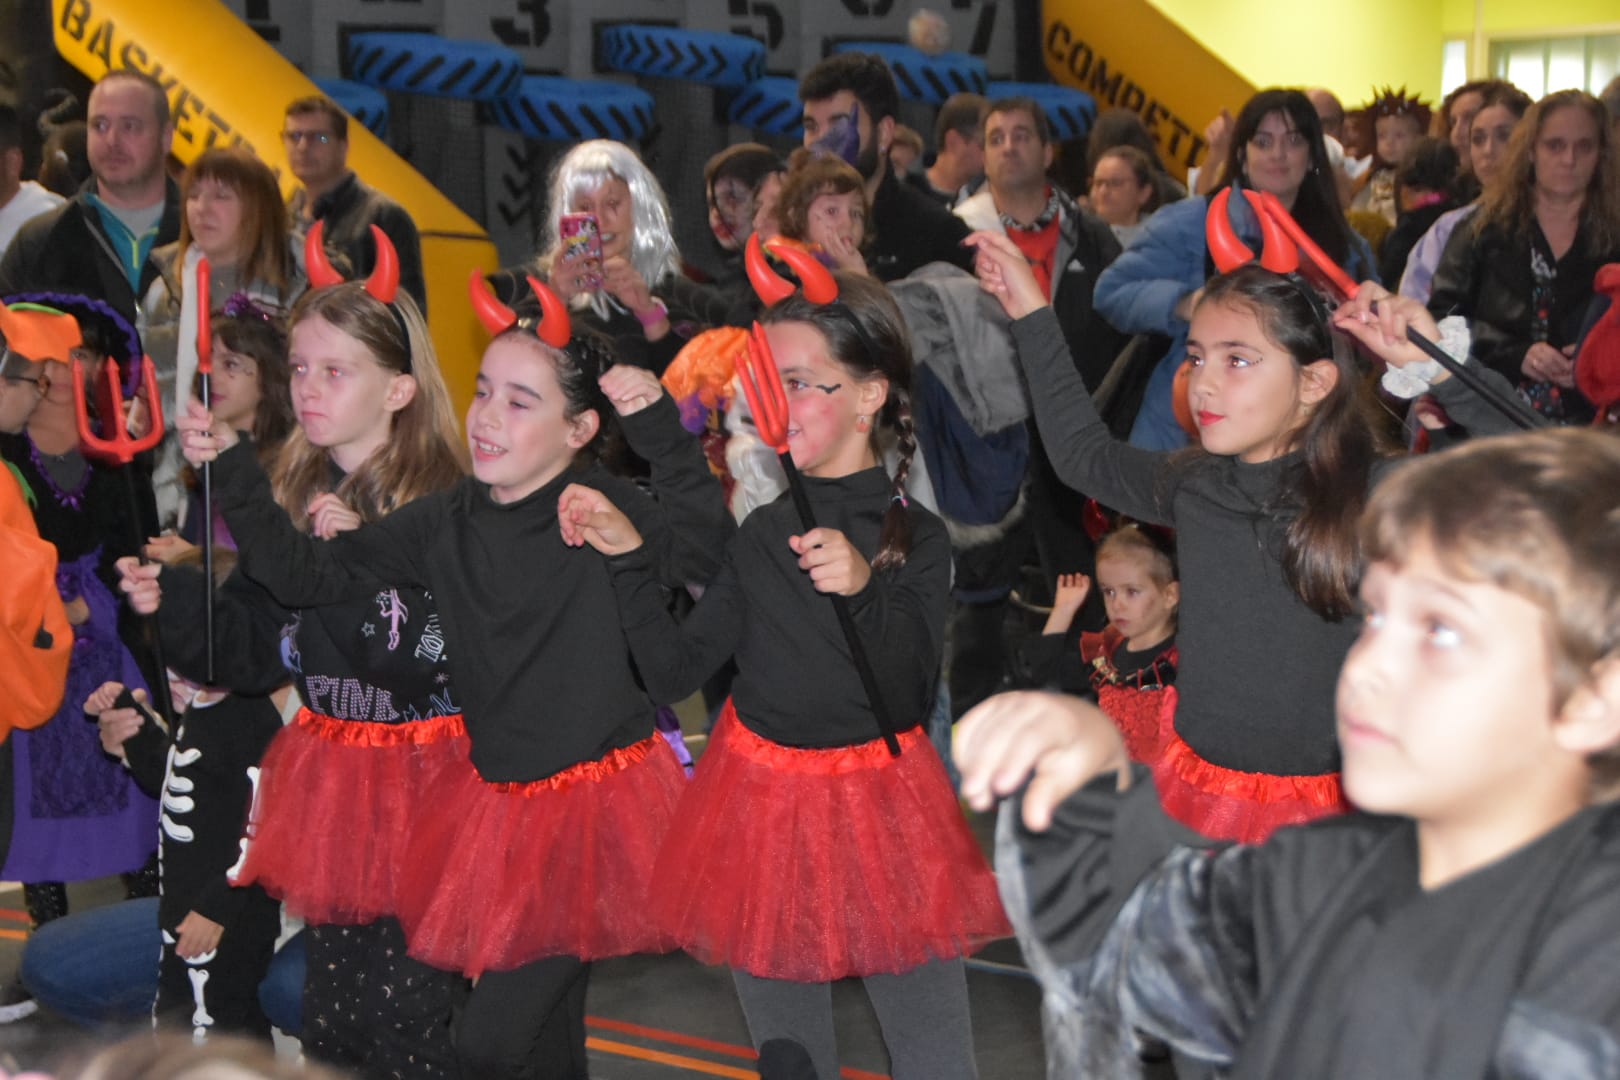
(581, 241)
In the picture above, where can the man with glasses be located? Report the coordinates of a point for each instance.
(98, 244)
(316, 136)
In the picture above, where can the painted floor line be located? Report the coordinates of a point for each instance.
(708, 1068)
(693, 1042)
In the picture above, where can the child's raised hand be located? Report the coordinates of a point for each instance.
(202, 438)
(1378, 321)
(1067, 601)
(630, 388)
(1072, 590)
(586, 516)
(834, 564)
(138, 582)
(196, 936)
(330, 515)
(1060, 743)
(1004, 273)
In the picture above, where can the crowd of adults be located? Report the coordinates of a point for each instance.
(1489, 205)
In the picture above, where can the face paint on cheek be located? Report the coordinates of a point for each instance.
(843, 137)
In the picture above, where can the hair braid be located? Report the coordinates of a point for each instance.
(894, 541)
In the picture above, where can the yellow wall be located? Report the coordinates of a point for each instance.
(1346, 47)
(1510, 16)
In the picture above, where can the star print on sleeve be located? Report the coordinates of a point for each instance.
(368, 629)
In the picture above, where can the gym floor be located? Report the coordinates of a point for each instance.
(650, 1017)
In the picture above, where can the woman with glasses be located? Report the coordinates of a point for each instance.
(1490, 129)
(1520, 270)
(1153, 287)
(1123, 192)
(233, 216)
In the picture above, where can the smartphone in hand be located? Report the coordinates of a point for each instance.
(581, 239)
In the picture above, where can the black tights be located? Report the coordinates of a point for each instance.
(527, 1023)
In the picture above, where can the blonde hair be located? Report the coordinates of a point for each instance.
(424, 452)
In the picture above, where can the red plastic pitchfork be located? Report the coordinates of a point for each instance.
(1287, 248)
(767, 400)
(122, 447)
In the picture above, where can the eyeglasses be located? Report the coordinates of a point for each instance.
(1112, 183)
(319, 138)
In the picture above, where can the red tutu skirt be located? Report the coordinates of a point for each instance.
(505, 873)
(333, 810)
(1225, 804)
(811, 865)
(1142, 717)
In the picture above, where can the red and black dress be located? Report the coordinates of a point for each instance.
(1135, 688)
(806, 852)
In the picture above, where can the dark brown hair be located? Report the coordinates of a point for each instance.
(866, 336)
(1321, 496)
(1316, 208)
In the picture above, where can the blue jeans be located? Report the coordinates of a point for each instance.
(98, 966)
(101, 967)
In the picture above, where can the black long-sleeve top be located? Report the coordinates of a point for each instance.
(1258, 667)
(530, 628)
(796, 684)
(201, 775)
(343, 657)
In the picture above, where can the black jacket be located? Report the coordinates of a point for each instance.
(349, 210)
(1485, 276)
(67, 250)
(912, 230)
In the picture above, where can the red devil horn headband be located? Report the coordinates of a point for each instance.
(555, 327)
(773, 288)
(384, 280)
(1277, 252)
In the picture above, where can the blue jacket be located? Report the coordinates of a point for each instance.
(1139, 291)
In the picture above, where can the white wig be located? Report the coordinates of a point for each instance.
(652, 247)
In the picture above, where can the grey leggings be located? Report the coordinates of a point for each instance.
(923, 1013)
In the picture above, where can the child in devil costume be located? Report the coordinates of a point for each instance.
(536, 858)
(807, 851)
(1130, 664)
(342, 783)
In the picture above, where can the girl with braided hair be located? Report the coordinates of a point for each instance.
(807, 852)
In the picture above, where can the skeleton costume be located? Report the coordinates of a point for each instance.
(206, 773)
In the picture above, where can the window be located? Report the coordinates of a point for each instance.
(1539, 66)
